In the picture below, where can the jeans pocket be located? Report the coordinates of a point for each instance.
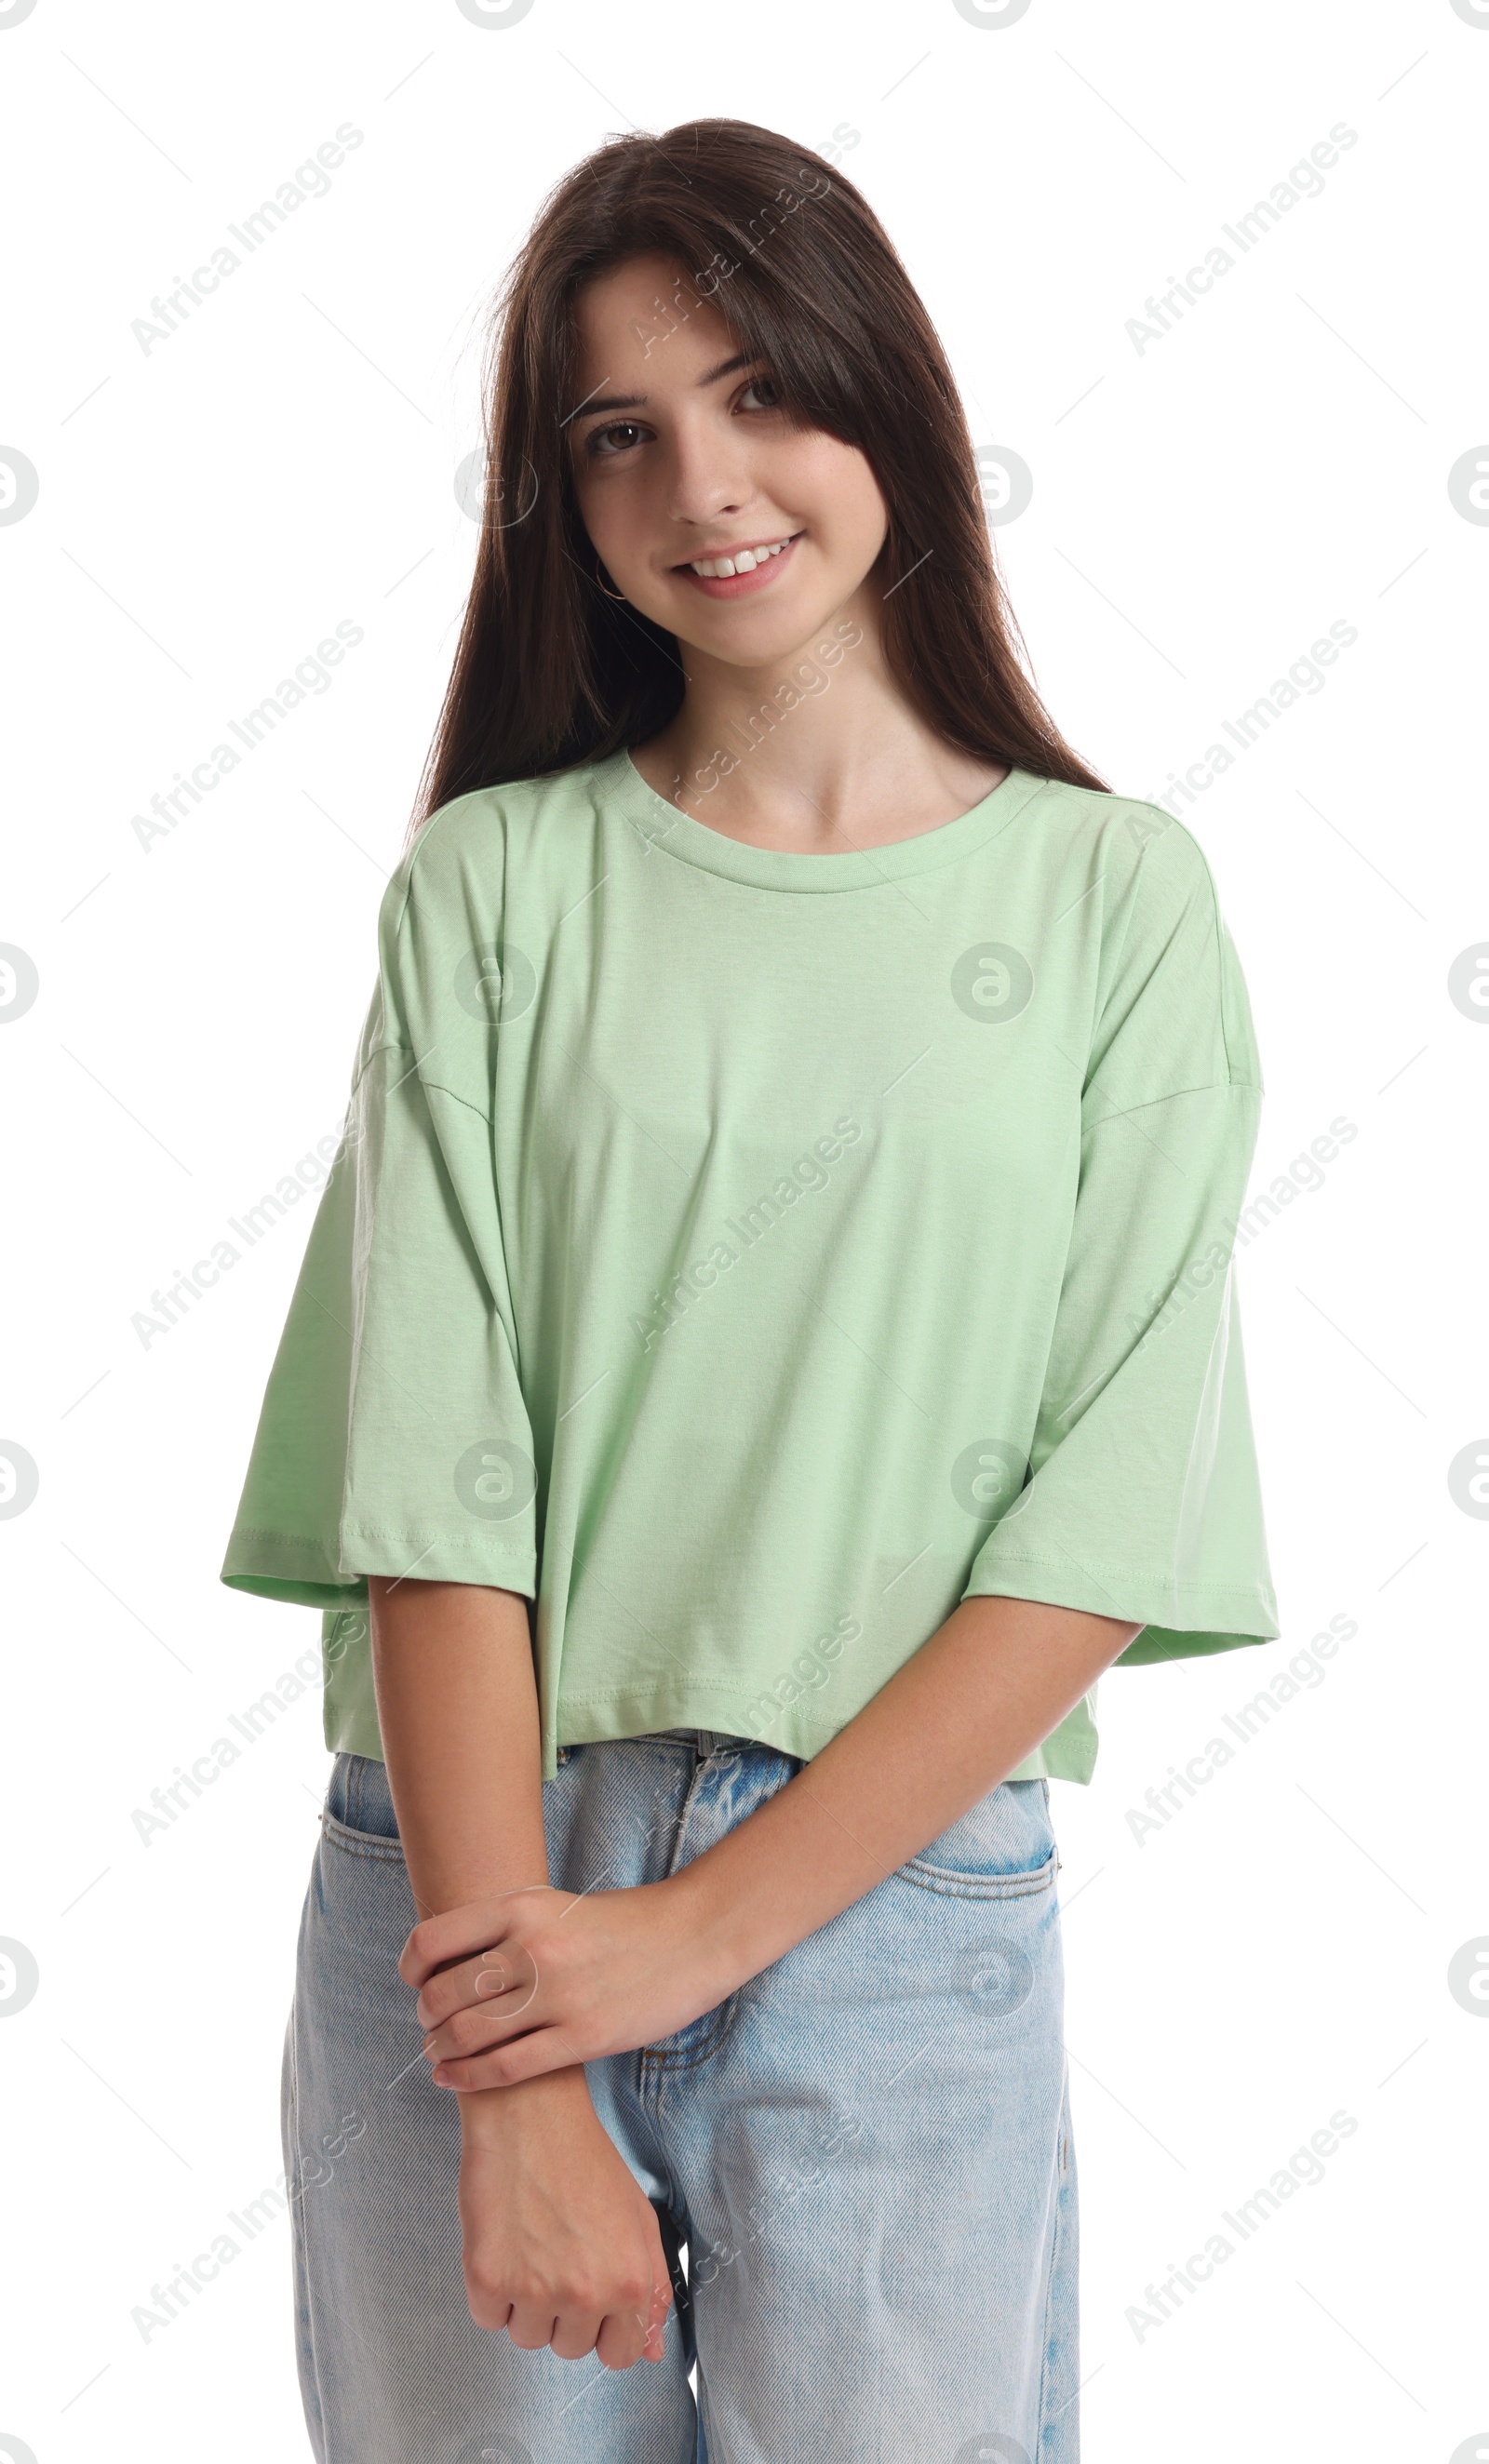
(1002, 1848)
(358, 1809)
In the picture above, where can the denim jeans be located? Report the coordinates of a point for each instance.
(865, 2151)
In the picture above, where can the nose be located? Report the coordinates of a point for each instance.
(709, 474)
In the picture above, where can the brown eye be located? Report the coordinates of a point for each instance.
(765, 386)
(613, 440)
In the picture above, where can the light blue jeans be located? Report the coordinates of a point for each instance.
(866, 2152)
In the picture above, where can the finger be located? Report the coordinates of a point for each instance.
(459, 1987)
(496, 1970)
(575, 2333)
(489, 2309)
(468, 2033)
(480, 2025)
(661, 2303)
(440, 2047)
(453, 1934)
(456, 1932)
(622, 2339)
(546, 2049)
(531, 2327)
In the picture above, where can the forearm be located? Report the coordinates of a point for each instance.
(964, 1712)
(607, 1971)
(458, 1709)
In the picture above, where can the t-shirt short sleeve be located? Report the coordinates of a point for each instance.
(1144, 1501)
(393, 1438)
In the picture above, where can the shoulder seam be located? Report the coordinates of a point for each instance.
(413, 853)
(1206, 1087)
(391, 1045)
(432, 1087)
(1217, 928)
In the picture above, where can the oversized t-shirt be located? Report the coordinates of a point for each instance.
(749, 1255)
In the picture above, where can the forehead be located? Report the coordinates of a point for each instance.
(647, 321)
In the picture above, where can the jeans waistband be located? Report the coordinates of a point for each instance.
(706, 1740)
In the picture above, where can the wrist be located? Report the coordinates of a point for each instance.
(493, 2113)
(717, 1927)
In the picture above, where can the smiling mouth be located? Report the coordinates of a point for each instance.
(744, 568)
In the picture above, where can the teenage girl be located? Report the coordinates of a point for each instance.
(768, 1344)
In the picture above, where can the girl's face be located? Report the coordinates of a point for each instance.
(682, 454)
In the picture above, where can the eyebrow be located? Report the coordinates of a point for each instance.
(607, 401)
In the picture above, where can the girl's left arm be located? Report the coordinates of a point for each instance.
(616, 1969)
(954, 1720)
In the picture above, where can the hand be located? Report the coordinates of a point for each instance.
(558, 1978)
(561, 2243)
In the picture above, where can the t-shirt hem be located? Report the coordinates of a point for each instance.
(354, 1730)
(602, 1717)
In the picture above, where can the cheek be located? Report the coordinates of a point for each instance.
(616, 509)
(832, 487)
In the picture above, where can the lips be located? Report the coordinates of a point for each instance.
(723, 564)
(766, 558)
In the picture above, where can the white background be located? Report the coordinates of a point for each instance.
(1202, 511)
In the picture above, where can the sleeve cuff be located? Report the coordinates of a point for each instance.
(1180, 1620)
(290, 1566)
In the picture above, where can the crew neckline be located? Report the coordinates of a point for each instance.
(693, 842)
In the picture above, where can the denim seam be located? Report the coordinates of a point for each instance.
(299, 2224)
(689, 2056)
(970, 1886)
(361, 1843)
(656, 2065)
(1055, 2239)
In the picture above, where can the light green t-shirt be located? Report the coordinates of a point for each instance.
(748, 1256)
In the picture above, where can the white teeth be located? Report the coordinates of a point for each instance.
(719, 567)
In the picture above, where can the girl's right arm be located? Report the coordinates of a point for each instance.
(560, 2242)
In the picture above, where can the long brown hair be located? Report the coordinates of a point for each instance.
(549, 672)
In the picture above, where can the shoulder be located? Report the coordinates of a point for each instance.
(464, 844)
(1141, 853)
(457, 870)
(1169, 969)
